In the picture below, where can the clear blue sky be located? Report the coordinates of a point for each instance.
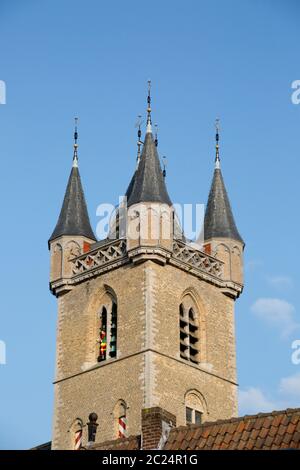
(234, 59)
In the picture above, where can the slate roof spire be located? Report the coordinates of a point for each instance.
(219, 221)
(73, 218)
(148, 183)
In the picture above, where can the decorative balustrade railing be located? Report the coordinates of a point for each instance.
(198, 259)
(102, 255)
(116, 250)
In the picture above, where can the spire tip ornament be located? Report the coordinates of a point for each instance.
(139, 142)
(149, 121)
(75, 155)
(217, 159)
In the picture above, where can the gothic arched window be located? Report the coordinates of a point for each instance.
(107, 335)
(57, 262)
(76, 434)
(194, 407)
(120, 418)
(188, 331)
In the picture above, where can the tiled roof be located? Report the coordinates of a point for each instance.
(128, 443)
(265, 431)
(46, 446)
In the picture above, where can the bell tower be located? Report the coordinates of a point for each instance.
(145, 319)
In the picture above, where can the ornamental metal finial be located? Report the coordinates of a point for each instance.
(149, 122)
(139, 142)
(217, 159)
(156, 133)
(164, 162)
(75, 156)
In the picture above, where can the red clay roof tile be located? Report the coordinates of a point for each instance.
(280, 429)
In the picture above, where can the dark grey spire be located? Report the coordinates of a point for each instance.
(148, 183)
(74, 218)
(130, 186)
(219, 221)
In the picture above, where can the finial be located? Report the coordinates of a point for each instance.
(217, 159)
(75, 156)
(139, 142)
(149, 122)
(164, 172)
(156, 131)
(92, 427)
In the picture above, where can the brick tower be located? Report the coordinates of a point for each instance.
(147, 320)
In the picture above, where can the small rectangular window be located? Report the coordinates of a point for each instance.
(188, 415)
(198, 417)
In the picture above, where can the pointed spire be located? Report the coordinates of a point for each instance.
(217, 159)
(149, 121)
(148, 183)
(74, 218)
(219, 221)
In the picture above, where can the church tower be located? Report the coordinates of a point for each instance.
(145, 319)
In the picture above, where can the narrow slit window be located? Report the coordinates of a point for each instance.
(188, 415)
(102, 336)
(113, 332)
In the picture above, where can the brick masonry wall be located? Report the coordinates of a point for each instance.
(148, 371)
(152, 426)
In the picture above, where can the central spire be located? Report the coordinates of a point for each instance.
(148, 183)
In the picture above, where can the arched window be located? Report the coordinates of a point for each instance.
(121, 428)
(194, 408)
(107, 336)
(189, 331)
(103, 335)
(57, 262)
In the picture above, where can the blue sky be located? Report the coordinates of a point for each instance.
(233, 59)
